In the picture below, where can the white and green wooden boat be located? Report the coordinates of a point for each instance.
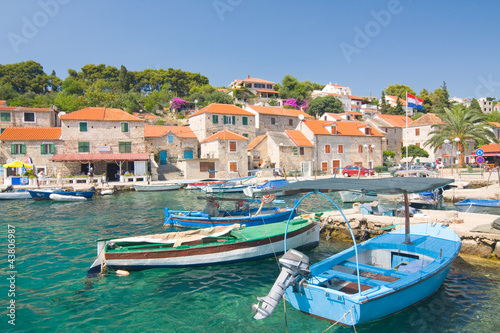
(204, 247)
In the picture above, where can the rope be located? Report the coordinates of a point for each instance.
(284, 309)
(343, 317)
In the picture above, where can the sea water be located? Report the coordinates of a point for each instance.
(55, 245)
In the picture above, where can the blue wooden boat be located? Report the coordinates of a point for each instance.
(213, 215)
(373, 279)
(479, 206)
(44, 194)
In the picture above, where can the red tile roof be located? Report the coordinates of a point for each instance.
(489, 149)
(334, 115)
(100, 114)
(268, 91)
(225, 135)
(298, 138)
(100, 157)
(273, 110)
(31, 133)
(427, 119)
(222, 109)
(395, 120)
(494, 123)
(34, 109)
(348, 128)
(7, 108)
(3, 102)
(151, 131)
(255, 142)
(255, 80)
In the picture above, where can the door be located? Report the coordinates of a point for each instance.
(163, 157)
(336, 167)
(306, 169)
(140, 168)
(188, 154)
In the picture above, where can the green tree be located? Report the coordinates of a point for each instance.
(399, 90)
(474, 104)
(414, 151)
(124, 79)
(24, 76)
(7, 91)
(321, 105)
(460, 122)
(384, 107)
(427, 104)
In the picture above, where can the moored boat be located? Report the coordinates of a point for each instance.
(156, 187)
(64, 197)
(10, 194)
(253, 191)
(44, 194)
(203, 247)
(373, 279)
(479, 206)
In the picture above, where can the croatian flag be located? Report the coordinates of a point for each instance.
(414, 102)
(30, 161)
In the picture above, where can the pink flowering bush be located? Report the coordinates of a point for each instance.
(176, 103)
(296, 104)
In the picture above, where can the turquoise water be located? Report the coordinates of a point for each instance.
(55, 246)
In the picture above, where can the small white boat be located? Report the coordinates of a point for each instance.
(62, 197)
(107, 192)
(230, 185)
(156, 187)
(13, 195)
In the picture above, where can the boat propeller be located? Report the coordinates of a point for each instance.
(292, 263)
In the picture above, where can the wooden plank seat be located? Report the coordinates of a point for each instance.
(330, 274)
(376, 270)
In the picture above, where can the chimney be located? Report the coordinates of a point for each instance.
(248, 77)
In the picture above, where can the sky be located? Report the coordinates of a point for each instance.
(365, 45)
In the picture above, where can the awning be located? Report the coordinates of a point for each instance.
(85, 158)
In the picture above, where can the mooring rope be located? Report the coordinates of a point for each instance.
(335, 323)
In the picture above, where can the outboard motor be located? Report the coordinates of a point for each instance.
(8, 189)
(293, 263)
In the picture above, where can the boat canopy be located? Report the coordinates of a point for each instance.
(379, 186)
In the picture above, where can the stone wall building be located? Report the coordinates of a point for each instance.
(16, 116)
(218, 117)
(171, 142)
(394, 128)
(275, 119)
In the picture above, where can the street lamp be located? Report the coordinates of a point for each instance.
(457, 140)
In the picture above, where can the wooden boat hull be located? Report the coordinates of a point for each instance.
(201, 220)
(305, 236)
(479, 206)
(150, 188)
(321, 296)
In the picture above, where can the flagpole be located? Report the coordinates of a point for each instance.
(406, 112)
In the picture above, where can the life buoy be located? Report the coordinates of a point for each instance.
(268, 198)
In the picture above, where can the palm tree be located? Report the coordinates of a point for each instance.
(463, 123)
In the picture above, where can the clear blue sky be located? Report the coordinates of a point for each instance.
(365, 45)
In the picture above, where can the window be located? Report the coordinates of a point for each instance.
(233, 166)
(295, 151)
(256, 155)
(367, 131)
(188, 154)
(234, 120)
(47, 149)
(125, 147)
(245, 135)
(1, 130)
(324, 166)
(417, 131)
(227, 120)
(269, 86)
(360, 149)
(29, 117)
(17, 149)
(170, 138)
(5, 116)
(290, 122)
(273, 121)
(232, 146)
(215, 119)
(341, 149)
(83, 147)
(301, 151)
(327, 149)
(83, 126)
(124, 127)
(244, 120)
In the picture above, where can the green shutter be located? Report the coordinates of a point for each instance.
(12, 149)
(124, 127)
(245, 120)
(52, 149)
(234, 120)
(215, 119)
(83, 127)
(41, 149)
(23, 149)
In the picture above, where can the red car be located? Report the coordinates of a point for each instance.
(354, 170)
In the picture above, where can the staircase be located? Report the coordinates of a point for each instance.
(169, 171)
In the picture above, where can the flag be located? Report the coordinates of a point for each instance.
(28, 159)
(414, 102)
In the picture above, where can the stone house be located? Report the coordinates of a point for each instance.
(171, 143)
(275, 119)
(38, 143)
(16, 116)
(109, 140)
(219, 117)
(394, 128)
(223, 155)
(289, 150)
(262, 90)
(341, 143)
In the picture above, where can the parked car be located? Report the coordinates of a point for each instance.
(354, 170)
(394, 167)
(441, 165)
(430, 165)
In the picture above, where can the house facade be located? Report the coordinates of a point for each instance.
(38, 143)
(275, 119)
(12, 116)
(341, 143)
(394, 128)
(419, 132)
(262, 90)
(219, 117)
(485, 104)
(171, 143)
(109, 140)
